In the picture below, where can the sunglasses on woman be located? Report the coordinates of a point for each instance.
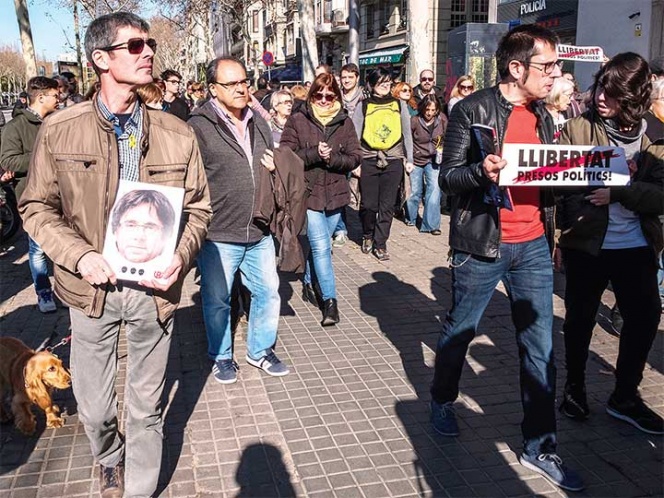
(325, 97)
(466, 87)
(133, 45)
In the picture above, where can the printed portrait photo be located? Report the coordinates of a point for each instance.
(143, 229)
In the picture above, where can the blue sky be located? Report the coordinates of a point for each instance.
(47, 29)
(49, 24)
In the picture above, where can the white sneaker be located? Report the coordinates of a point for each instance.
(45, 301)
(339, 240)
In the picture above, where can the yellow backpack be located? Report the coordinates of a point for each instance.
(382, 125)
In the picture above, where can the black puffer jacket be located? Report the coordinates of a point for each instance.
(475, 225)
(326, 182)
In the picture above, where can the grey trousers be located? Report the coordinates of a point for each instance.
(94, 361)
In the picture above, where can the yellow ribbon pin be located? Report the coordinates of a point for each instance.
(132, 141)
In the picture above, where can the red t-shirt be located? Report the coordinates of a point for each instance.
(524, 223)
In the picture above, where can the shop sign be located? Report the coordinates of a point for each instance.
(532, 7)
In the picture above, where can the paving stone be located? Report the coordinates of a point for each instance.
(352, 418)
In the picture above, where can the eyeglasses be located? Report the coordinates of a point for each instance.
(325, 97)
(287, 102)
(133, 45)
(175, 82)
(547, 67)
(148, 228)
(426, 79)
(466, 87)
(233, 84)
(406, 90)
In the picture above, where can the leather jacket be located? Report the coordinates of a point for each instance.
(475, 225)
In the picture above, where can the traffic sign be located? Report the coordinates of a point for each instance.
(267, 58)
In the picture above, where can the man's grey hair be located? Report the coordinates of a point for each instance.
(103, 31)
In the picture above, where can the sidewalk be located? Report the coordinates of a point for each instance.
(352, 417)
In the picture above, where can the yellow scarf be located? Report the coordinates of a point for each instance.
(325, 115)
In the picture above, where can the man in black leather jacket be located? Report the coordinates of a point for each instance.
(500, 235)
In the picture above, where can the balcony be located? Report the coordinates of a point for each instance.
(324, 28)
(339, 21)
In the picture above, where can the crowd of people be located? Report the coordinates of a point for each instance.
(274, 163)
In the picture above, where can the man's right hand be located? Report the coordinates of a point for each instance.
(492, 165)
(95, 270)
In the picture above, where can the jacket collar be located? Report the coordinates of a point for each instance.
(107, 126)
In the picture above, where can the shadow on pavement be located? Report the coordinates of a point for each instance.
(186, 374)
(262, 472)
(467, 464)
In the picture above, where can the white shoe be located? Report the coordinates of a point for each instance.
(45, 301)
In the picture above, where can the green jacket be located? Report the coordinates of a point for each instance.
(18, 139)
(583, 225)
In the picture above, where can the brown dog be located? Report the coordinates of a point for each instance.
(31, 377)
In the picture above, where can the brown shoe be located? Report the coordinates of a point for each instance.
(111, 481)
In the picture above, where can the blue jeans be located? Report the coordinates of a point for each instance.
(419, 177)
(38, 266)
(218, 263)
(526, 271)
(320, 227)
(341, 225)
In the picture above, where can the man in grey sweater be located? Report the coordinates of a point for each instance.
(235, 143)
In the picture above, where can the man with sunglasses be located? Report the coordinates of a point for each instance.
(173, 103)
(18, 140)
(236, 144)
(78, 160)
(428, 86)
(493, 240)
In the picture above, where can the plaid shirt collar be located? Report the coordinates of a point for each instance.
(133, 123)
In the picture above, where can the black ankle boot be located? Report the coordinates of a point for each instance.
(330, 313)
(310, 295)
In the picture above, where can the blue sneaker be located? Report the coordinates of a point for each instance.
(552, 468)
(443, 419)
(270, 364)
(225, 371)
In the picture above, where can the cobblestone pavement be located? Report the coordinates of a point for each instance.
(352, 417)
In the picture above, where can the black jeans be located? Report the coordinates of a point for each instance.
(633, 276)
(379, 188)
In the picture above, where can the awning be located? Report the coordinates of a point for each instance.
(390, 55)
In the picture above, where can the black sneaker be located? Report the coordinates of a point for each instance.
(381, 254)
(111, 481)
(575, 403)
(617, 321)
(636, 412)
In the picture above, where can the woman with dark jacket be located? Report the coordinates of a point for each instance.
(382, 123)
(614, 235)
(322, 134)
(428, 128)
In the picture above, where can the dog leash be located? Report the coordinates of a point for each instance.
(45, 347)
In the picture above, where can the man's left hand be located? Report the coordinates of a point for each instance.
(600, 197)
(409, 167)
(168, 276)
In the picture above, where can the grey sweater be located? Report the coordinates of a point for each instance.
(233, 182)
(403, 149)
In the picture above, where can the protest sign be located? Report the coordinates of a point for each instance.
(142, 230)
(580, 54)
(563, 165)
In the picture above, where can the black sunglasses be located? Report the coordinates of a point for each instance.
(133, 45)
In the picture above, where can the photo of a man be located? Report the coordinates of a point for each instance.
(142, 230)
(142, 222)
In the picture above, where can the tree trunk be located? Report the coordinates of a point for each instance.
(419, 40)
(79, 59)
(26, 37)
(309, 49)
